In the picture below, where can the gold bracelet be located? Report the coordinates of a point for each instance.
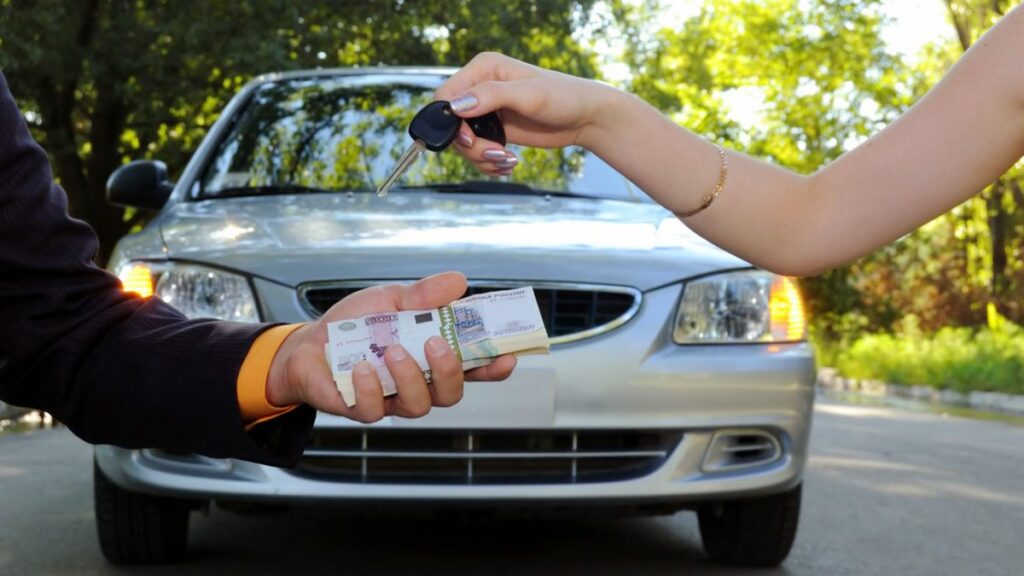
(708, 199)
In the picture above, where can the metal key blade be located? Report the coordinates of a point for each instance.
(407, 160)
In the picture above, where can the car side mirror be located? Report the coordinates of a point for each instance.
(140, 184)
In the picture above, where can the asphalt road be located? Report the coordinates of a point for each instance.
(887, 492)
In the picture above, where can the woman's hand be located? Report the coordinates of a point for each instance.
(539, 108)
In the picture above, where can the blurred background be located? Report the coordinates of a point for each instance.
(797, 82)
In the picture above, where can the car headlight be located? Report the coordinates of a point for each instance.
(736, 307)
(197, 291)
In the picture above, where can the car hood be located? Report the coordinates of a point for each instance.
(338, 236)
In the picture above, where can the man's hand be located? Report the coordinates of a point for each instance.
(300, 373)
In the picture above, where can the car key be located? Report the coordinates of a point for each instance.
(434, 128)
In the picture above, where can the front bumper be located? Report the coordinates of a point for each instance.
(633, 378)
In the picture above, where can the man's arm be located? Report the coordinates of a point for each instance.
(136, 373)
(115, 369)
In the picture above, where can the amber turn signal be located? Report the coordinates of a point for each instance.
(137, 278)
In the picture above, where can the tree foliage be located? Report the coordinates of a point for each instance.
(819, 76)
(966, 267)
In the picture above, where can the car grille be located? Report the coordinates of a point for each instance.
(388, 456)
(570, 312)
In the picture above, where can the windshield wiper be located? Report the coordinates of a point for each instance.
(492, 187)
(269, 190)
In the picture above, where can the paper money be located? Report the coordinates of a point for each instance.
(478, 328)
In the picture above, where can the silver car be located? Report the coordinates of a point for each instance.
(679, 376)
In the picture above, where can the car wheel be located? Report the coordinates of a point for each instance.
(137, 528)
(751, 532)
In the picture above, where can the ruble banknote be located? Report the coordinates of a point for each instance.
(478, 328)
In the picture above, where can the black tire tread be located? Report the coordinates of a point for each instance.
(135, 528)
(751, 532)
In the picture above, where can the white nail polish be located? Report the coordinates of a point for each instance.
(464, 102)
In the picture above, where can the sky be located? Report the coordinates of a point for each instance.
(917, 23)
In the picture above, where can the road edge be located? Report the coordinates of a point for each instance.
(830, 379)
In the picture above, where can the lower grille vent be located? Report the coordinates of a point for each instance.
(484, 457)
(737, 449)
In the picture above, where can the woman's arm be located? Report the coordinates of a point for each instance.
(966, 132)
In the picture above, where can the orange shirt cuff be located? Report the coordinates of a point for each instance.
(252, 378)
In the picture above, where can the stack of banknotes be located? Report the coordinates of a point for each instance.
(479, 329)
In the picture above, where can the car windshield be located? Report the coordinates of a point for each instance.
(345, 132)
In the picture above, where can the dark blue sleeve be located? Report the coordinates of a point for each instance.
(115, 369)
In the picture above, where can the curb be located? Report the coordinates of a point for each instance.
(830, 379)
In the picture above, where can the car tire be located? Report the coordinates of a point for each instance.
(136, 528)
(751, 532)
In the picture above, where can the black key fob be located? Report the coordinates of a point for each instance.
(435, 125)
(488, 127)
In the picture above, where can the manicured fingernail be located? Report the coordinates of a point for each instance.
(437, 347)
(363, 368)
(464, 103)
(507, 163)
(465, 140)
(497, 155)
(397, 353)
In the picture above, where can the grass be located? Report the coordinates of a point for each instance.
(960, 359)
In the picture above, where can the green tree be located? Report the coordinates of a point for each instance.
(964, 268)
(1000, 231)
(106, 81)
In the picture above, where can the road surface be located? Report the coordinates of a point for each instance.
(887, 492)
